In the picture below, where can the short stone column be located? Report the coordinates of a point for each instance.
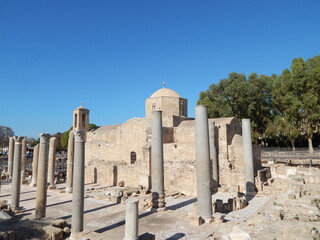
(10, 156)
(70, 162)
(157, 169)
(23, 159)
(35, 165)
(41, 197)
(52, 162)
(248, 165)
(203, 164)
(213, 155)
(16, 174)
(78, 186)
(132, 217)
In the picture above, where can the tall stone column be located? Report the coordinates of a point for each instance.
(23, 159)
(248, 165)
(132, 217)
(10, 156)
(41, 197)
(157, 168)
(70, 162)
(203, 164)
(35, 165)
(78, 186)
(52, 162)
(16, 174)
(213, 155)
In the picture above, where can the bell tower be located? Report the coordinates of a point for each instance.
(81, 119)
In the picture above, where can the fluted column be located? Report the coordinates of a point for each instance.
(16, 174)
(247, 157)
(10, 156)
(78, 186)
(41, 197)
(203, 164)
(132, 217)
(52, 162)
(35, 165)
(157, 168)
(213, 155)
(23, 159)
(70, 162)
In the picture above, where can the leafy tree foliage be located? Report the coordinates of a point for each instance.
(65, 136)
(5, 134)
(282, 107)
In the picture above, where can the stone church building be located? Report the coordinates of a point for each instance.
(122, 152)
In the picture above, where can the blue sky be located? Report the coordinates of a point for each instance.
(112, 55)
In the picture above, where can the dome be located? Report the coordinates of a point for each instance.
(165, 92)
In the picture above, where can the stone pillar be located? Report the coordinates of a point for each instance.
(203, 164)
(157, 172)
(132, 226)
(35, 165)
(213, 155)
(16, 174)
(23, 159)
(247, 158)
(10, 156)
(41, 197)
(52, 162)
(70, 163)
(78, 186)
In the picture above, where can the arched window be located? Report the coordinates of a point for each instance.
(75, 120)
(133, 157)
(83, 120)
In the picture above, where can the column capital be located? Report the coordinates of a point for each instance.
(44, 137)
(18, 139)
(78, 135)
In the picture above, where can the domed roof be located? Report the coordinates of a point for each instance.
(165, 92)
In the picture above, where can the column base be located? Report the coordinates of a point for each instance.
(163, 209)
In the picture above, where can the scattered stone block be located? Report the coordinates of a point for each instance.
(147, 236)
(218, 217)
(53, 233)
(219, 206)
(3, 204)
(59, 223)
(66, 231)
(4, 215)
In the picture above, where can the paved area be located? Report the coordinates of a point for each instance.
(108, 218)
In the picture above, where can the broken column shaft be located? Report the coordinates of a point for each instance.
(78, 186)
(52, 162)
(247, 157)
(203, 164)
(23, 159)
(10, 156)
(157, 169)
(41, 197)
(70, 162)
(16, 174)
(132, 217)
(213, 155)
(35, 165)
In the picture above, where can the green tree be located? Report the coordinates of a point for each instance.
(65, 136)
(5, 134)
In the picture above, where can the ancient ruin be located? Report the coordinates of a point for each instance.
(161, 177)
(122, 152)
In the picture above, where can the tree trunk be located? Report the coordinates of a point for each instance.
(292, 145)
(310, 145)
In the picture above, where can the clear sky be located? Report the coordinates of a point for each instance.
(113, 54)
